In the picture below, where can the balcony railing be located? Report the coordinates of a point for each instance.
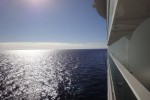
(124, 82)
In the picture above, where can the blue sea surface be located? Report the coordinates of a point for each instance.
(53, 74)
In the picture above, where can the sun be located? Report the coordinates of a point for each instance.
(37, 3)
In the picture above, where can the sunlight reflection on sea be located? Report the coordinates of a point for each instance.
(39, 74)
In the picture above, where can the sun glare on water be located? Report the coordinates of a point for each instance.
(29, 53)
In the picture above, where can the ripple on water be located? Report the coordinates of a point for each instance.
(53, 75)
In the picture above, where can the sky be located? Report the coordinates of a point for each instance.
(69, 23)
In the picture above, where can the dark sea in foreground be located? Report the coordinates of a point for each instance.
(53, 75)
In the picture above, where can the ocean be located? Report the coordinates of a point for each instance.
(53, 74)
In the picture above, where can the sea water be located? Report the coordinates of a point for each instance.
(53, 74)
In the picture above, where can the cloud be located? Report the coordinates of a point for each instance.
(43, 45)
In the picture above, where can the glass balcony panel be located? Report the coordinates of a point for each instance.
(121, 88)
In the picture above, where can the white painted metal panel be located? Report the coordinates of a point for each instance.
(112, 9)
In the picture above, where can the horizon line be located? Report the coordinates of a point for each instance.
(50, 45)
